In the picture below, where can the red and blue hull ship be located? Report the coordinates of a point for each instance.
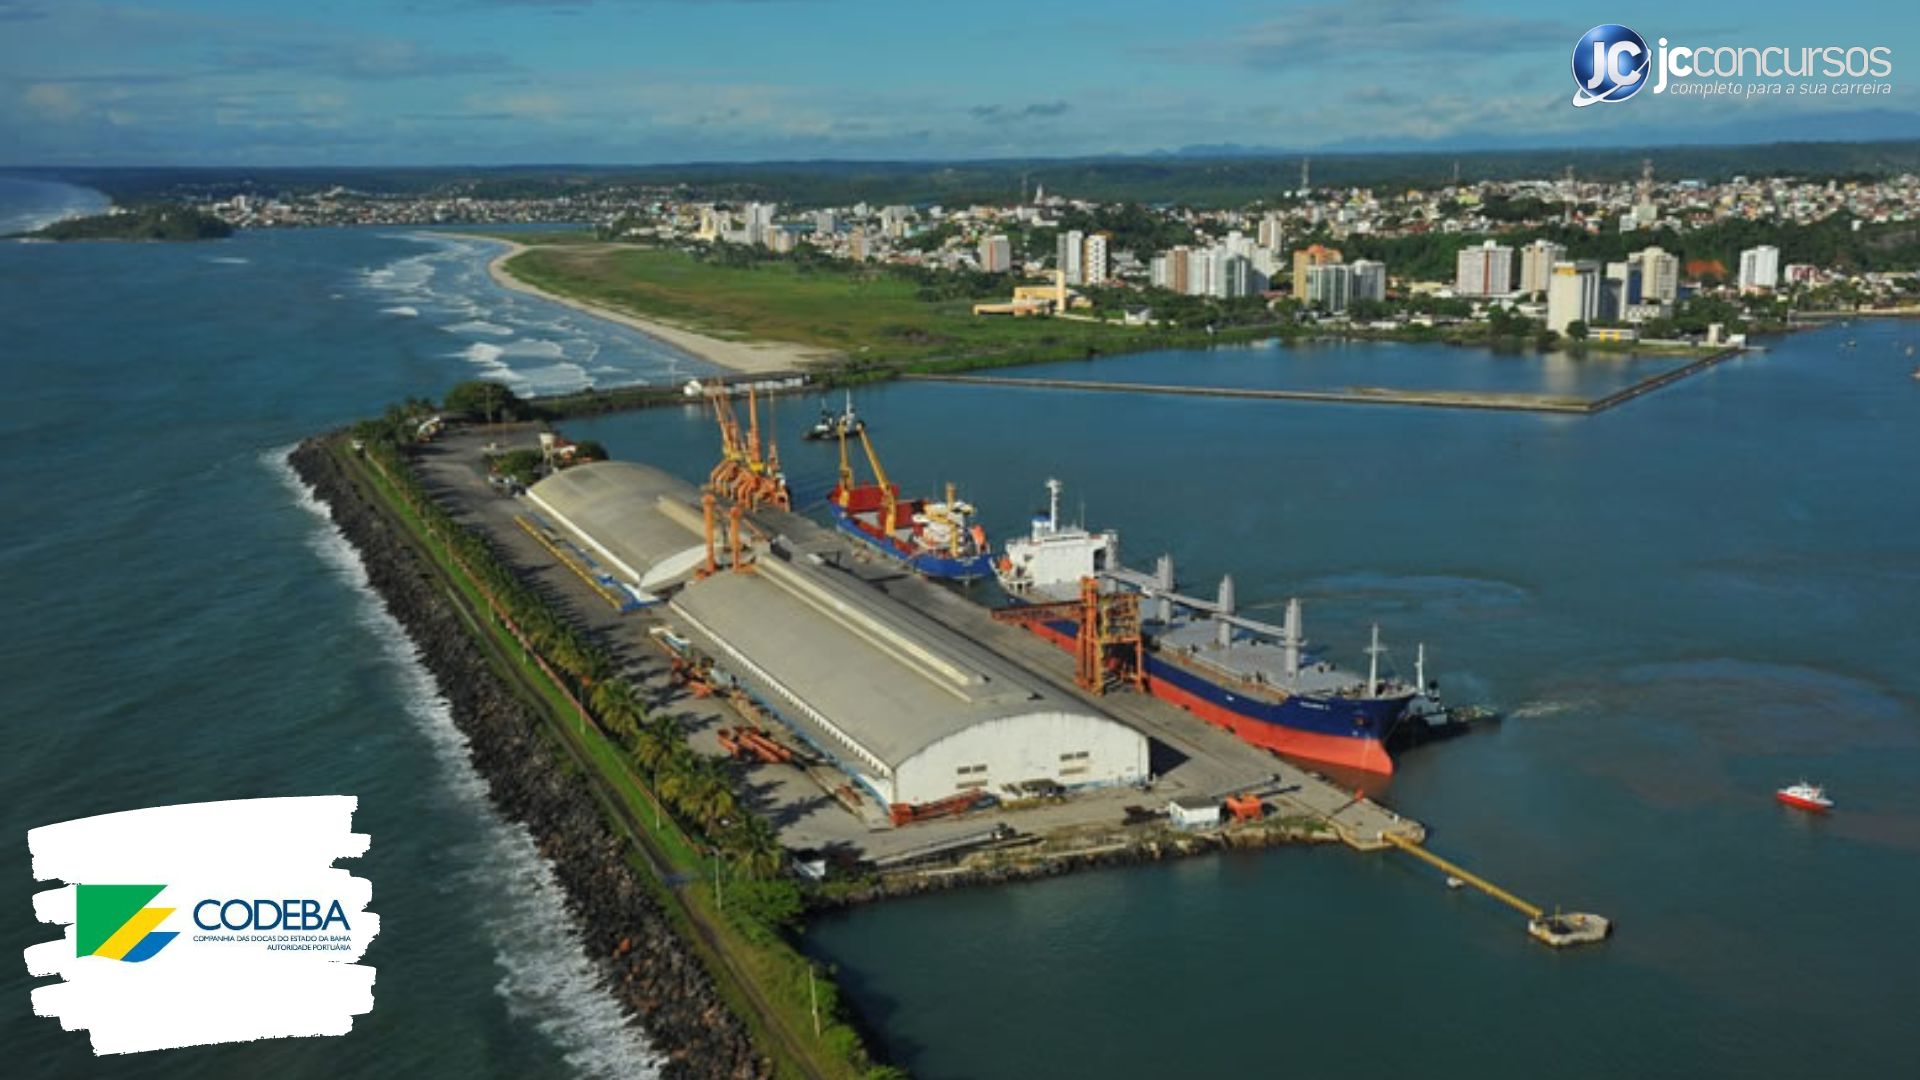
(937, 539)
(1258, 681)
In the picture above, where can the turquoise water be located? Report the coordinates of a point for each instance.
(185, 627)
(1682, 605)
(1346, 365)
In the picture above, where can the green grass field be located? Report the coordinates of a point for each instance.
(868, 317)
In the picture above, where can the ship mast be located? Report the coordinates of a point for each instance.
(1420, 666)
(1373, 663)
(1053, 506)
(1291, 641)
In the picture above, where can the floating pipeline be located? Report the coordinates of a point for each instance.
(646, 966)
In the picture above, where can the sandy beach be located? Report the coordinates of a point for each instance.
(745, 357)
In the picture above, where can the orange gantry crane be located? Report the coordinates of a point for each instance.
(1108, 641)
(743, 475)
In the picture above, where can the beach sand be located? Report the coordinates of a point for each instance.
(744, 357)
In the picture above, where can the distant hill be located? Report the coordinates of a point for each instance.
(146, 223)
(1201, 176)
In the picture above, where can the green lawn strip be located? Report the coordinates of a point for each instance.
(773, 964)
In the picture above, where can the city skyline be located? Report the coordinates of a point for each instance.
(651, 81)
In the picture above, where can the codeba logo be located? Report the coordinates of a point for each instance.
(114, 921)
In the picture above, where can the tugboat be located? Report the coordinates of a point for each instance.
(1805, 796)
(832, 425)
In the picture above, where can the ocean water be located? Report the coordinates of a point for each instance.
(187, 626)
(1681, 605)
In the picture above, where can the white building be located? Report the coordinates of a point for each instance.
(1070, 256)
(996, 254)
(1659, 275)
(1760, 268)
(759, 221)
(1329, 287)
(1272, 234)
(1199, 281)
(1486, 270)
(1536, 264)
(1573, 295)
(1093, 264)
(1369, 279)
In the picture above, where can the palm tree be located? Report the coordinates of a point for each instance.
(755, 846)
(618, 707)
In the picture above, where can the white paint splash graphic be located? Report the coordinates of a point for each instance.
(219, 984)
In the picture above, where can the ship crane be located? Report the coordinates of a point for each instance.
(889, 499)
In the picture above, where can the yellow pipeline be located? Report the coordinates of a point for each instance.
(1530, 910)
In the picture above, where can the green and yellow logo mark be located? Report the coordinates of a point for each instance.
(114, 921)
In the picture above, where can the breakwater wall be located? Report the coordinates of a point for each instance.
(646, 966)
(1431, 399)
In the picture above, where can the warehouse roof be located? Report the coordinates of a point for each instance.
(643, 520)
(849, 660)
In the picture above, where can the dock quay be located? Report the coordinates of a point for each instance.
(1436, 399)
(1185, 757)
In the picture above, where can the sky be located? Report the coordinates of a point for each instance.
(431, 82)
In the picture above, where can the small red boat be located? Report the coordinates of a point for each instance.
(1805, 796)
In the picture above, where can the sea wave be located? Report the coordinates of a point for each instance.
(545, 979)
(448, 283)
(404, 311)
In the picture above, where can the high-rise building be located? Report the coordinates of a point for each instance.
(996, 254)
(1179, 261)
(1329, 287)
(1093, 264)
(1199, 277)
(1160, 272)
(1760, 268)
(1071, 255)
(1369, 279)
(1619, 286)
(759, 221)
(1272, 234)
(1305, 259)
(1486, 270)
(1536, 264)
(1236, 276)
(1659, 275)
(895, 220)
(1573, 295)
(825, 223)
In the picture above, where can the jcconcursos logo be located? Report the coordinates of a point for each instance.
(1610, 64)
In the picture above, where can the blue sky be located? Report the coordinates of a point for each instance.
(635, 81)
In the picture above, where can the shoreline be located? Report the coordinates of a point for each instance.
(636, 949)
(735, 357)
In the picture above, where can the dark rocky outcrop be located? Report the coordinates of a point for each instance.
(647, 966)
